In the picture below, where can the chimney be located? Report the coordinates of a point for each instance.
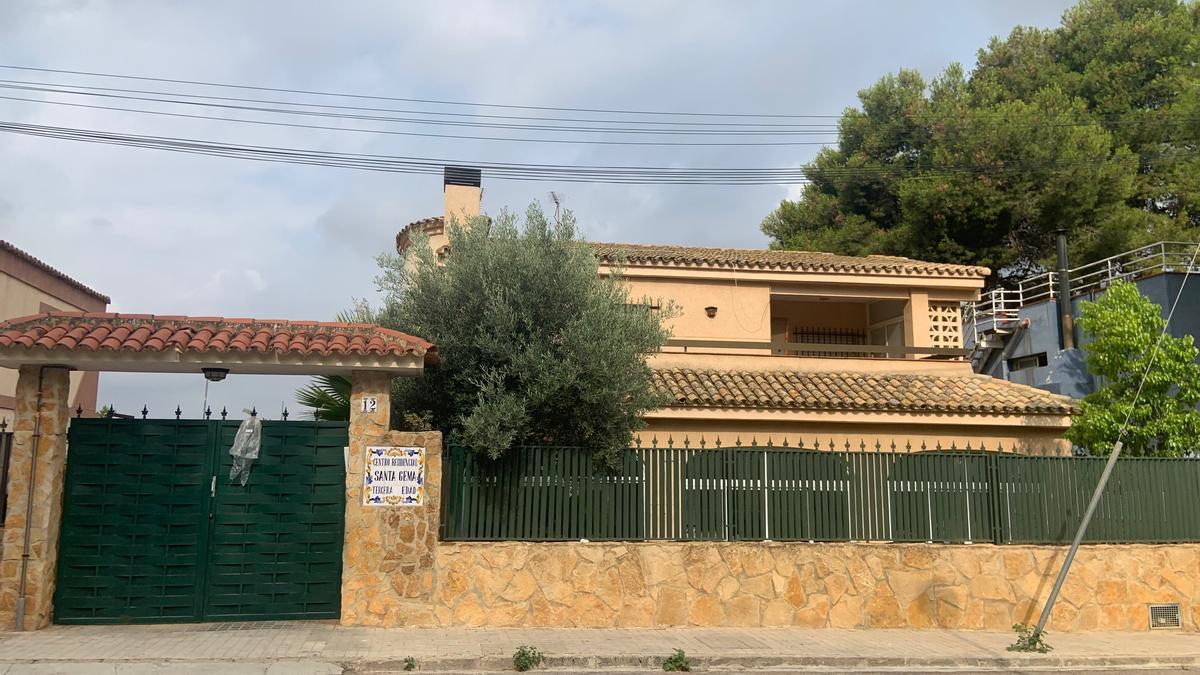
(461, 186)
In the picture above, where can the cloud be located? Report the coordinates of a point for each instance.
(162, 232)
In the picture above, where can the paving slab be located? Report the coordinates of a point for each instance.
(271, 648)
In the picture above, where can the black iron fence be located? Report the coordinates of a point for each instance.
(756, 493)
(6, 438)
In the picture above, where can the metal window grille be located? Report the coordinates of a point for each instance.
(829, 336)
(1165, 615)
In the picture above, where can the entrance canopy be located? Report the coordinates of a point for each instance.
(183, 344)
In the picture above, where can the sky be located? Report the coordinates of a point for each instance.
(187, 234)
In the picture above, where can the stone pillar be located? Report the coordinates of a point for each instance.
(50, 421)
(916, 320)
(387, 561)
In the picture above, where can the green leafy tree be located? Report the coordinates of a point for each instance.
(535, 347)
(1091, 126)
(1123, 327)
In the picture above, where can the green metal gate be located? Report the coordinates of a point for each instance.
(153, 530)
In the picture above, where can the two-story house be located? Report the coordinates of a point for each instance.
(810, 348)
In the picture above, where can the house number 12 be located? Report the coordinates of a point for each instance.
(370, 404)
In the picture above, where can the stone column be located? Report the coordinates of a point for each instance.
(47, 463)
(916, 320)
(388, 558)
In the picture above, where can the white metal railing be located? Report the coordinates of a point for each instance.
(998, 309)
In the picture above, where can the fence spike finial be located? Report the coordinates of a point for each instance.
(769, 442)
(254, 411)
(687, 442)
(284, 414)
(670, 440)
(754, 441)
(225, 412)
(3, 425)
(654, 442)
(908, 445)
(79, 410)
(145, 411)
(207, 412)
(112, 410)
(718, 443)
(738, 442)
(178, 412)
(637, 441)
(702, 443)
(785, 443)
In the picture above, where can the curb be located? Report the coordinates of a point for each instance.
(644, 663)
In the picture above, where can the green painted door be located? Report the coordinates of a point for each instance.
(153, 531)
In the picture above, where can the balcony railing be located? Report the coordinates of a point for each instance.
(815, 349)
(998, 309)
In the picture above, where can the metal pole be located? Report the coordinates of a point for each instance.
(1087, 518)
(1066, 321)
(29, 500)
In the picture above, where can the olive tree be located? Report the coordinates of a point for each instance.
(535, 346)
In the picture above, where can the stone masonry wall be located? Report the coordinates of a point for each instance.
(388, 567)
(976, 586)
(54, 416)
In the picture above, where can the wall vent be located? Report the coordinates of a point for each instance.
(1165, 616)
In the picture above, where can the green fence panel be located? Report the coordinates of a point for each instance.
(786, 494)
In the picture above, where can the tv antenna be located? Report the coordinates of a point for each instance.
(557, 199)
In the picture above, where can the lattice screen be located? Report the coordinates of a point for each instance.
(945, 324)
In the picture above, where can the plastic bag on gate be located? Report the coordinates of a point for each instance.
(245, 446)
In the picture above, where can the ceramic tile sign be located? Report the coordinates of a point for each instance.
(394, 476)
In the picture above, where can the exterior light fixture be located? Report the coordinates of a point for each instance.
(214, 374)
(711, 311)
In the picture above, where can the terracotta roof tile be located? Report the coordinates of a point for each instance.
(83, 331)
(900, 392)
(22, 255)
(806, 261)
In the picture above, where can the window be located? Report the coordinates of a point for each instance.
(1026, 362)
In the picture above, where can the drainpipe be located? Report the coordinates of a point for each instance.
(37, 433)
(1066, 321)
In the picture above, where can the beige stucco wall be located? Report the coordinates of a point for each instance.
(921, 432)
(18, 299)
(743, 298)
(812, 585)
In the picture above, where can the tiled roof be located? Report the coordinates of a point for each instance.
(6, 246)
(806, 261)
(97, 332)
(901, 392)
(426, 225)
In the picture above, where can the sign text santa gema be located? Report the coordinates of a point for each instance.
(394, 476)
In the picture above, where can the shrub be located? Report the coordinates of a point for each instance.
(526, 657)
(677, 663)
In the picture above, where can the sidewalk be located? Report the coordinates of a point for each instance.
(323, 648)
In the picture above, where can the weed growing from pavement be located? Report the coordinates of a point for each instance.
(1027, 641)
(526, 657)
(410, 663)
(677, 663)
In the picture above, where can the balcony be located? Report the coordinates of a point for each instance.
(823, 328)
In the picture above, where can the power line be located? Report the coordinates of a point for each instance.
(309, 92)
(399, 164)
(514, 171)
(594, 120)
(394, 132)
(419, 120)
